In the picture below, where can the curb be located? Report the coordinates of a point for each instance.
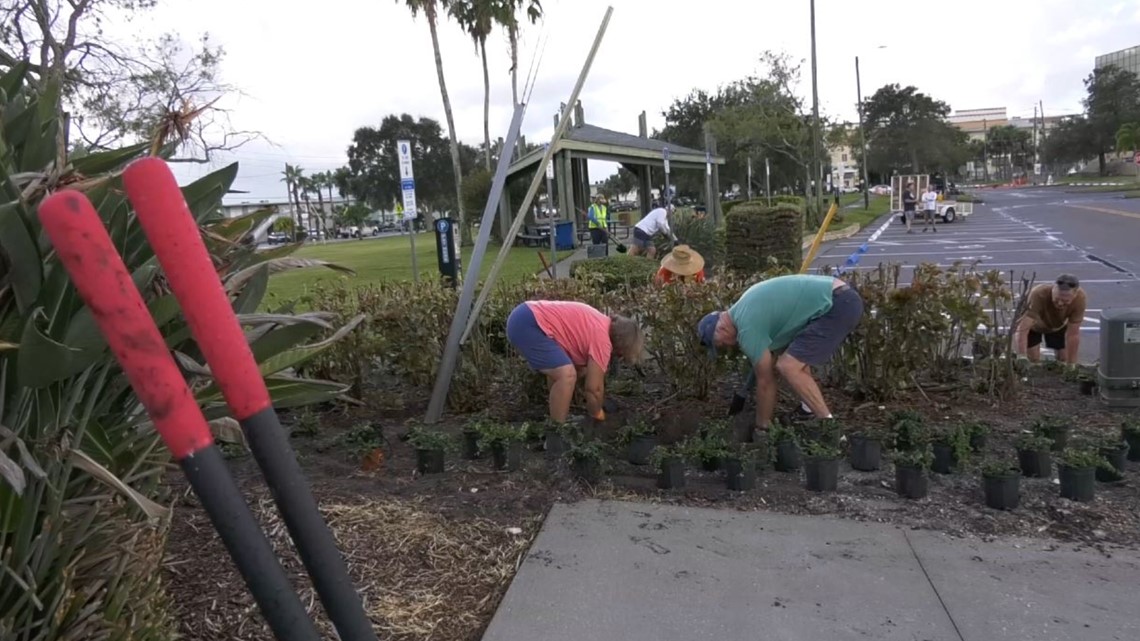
(846, 232)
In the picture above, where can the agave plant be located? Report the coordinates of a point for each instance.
(82, 520)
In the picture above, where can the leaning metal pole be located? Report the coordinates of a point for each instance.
(451, 348)
(540, 172)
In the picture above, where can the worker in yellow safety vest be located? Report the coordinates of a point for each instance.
(598, 221)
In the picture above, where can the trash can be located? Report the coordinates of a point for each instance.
(564, 235)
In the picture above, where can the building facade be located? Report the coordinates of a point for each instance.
(845, 173)
(1126, 59)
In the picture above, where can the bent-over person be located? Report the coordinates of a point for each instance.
(1053, 315)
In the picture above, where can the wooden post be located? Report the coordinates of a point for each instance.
(718, 213)
(645, 173)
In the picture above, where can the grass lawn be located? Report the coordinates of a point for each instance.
(390, 258)
(858, 215)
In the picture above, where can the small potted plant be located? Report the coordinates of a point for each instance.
(1034, 455)
(1001, 484)
(1056, 429)
(556, 438)
(909, 430)
(786, 454)
(1087, 383)
(821, 466)
(740, 469)
(586, 461)
(639, 438)
(911, 480)
(669, 460)
(431, 446)
(1113, 452)
(978, 433)
(469, 440)
(1130, 432)
(951, 448)
(708, 451)
(534, 433)
(826, 431)
(505, 443)
(1077, 469)
(866, 451)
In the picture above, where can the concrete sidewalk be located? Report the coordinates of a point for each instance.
(616, 571)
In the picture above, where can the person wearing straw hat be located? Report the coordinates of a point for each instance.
(683, 264)
(788, 325)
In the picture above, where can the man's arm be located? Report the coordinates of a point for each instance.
(1021, 336)
(591, 215)
(765, 390)
(595, 389)
(1073, 333)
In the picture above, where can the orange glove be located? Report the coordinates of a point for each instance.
(600, 416)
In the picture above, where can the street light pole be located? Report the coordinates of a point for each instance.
(862, 138)
(817, 167)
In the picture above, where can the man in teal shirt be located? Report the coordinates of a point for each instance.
(802, 318)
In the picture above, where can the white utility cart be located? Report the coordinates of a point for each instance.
(948, 210)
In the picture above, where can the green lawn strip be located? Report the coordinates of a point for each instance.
(390, 258)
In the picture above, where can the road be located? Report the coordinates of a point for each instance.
(1041, 231)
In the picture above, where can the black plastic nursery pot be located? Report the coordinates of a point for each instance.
(640, 448)
(1002, 492)
(944, 459)
(739, 476)
(1114, 456)
(789, 458)
(470, 445)
(1133, 441)
(1035, 463)
(429, 461)
(1077, 483)
(821, 474)
(911, 482)
(1088, 386)
(866, 453)
(671, 476)
(507, 456)
(711, 464)
(587, 470)
(554, 444)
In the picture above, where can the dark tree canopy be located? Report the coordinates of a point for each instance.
(907, 132)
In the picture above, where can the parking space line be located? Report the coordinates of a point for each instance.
(1105, 210)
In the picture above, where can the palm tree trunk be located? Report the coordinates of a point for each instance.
(514, 38)
(486, 107)
(456, 165)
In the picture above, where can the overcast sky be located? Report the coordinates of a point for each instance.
(314, 72)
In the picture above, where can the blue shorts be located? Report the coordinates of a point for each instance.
(821, 338)
(540, 351)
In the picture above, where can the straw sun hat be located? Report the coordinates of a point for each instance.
(683, 261)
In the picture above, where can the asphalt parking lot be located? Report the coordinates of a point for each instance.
(1036, 232)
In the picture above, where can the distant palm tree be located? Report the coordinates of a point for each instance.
(293, 177)
(532, 10)
(477, 17)
(430, 9)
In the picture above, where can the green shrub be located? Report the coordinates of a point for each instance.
(698, 233)
(756, 235)
(615, 272)
(921, 458)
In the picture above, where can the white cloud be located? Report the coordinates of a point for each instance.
(314, 73)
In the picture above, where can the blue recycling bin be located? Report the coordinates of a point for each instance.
(564, 235)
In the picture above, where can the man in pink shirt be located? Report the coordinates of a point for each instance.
(567, 340)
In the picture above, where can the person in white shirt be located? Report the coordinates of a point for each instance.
(653, 223)
(929, 207)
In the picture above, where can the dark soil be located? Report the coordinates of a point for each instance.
(347, 470)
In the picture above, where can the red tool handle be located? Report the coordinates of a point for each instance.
(86, 251)
(174, 235)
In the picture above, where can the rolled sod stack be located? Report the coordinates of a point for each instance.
(755, 234)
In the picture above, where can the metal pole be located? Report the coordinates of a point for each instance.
(750, 178)
(817, 166)
(563, 123)
(451, 348)
(986, 148)
(412, 236)
(768, 181)
(862, 138)
(550, 201)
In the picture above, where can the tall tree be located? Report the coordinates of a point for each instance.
(907, 132)
(373, 175)
(292, 177)
(430, 9)
(1113, 100)
(531, 10)
(1069, 143)
(477, 18)
(117, 94)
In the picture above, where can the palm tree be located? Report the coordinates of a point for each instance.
(532, 9)
(476, 17)
(430, 9)
(293, 176)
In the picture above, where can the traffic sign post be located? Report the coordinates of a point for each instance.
(665, 198)
(408, 189)
(550, 214)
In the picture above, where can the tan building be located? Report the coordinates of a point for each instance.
(845, 172)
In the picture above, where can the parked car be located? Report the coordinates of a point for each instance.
(277, 238)
(881, 190)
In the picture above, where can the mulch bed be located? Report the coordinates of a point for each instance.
(433, 555)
